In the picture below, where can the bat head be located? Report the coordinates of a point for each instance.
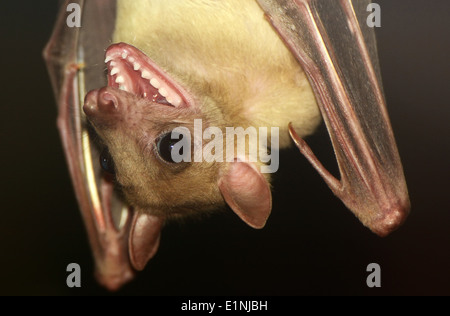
(142, 117)
(228, 69)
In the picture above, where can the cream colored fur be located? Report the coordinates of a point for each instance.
(228, 56)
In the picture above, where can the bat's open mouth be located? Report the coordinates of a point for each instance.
(131, 70)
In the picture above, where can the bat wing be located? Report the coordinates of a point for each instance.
(337, 50)
(121, 240)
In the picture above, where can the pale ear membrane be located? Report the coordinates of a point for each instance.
(247, 193)
(144, 238)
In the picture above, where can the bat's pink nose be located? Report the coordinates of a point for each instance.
(90, 103)
(99, 105)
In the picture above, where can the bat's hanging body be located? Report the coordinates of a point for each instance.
(173, 63)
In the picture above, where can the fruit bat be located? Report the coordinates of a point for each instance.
(138, 70)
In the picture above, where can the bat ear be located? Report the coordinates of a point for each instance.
(144, 238)
(247, 192)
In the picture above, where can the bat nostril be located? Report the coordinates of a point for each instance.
(107, 101)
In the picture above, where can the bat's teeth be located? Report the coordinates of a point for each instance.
(114, 71)
(176, 101)
(119, 66)
(155, 83)
(120, 80)
(146, 75)
(163, 92)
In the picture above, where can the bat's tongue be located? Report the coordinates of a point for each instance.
(131, 70)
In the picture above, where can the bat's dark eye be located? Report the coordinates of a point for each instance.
(165, 145)
(107, 162)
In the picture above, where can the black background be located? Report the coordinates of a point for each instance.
(311, 245)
